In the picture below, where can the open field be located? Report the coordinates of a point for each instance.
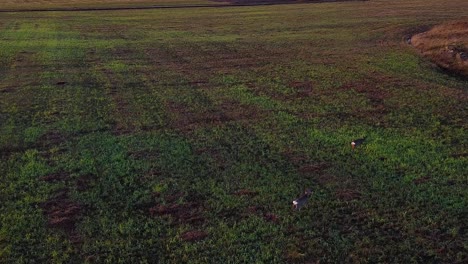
(51, 4)
(183, 135)
(110, 5)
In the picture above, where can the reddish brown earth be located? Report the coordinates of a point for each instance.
(270, 217)
(55, 177)
(246, 192)
(348, 195)
(63, 214)
(194, 235)
(178, 213)
(421, 180)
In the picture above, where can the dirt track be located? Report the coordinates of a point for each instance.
(229, 3)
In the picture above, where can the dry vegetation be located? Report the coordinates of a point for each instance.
(446, 45)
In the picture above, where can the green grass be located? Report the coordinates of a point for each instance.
(124, 133)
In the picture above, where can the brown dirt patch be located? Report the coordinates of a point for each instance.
(236, 111)
(62, 213)
(348, 195)
(185, 118)
(421, 180)
(261, 212)
(296, 158)
(55, 177)
(174, 197)
(84, 182)
(216, 155)
(459, 155)
(218, 59)
(374, 93)
(126, 117)
(326, 179)
(303, 163)
(194, 235)
(376, 96)
(309, 170)
(446, 45)
(306, 167)
(246, 192)
(53, 138)
(270, 217)
(187, 213)
(8, 89)
(253, 209)
(296, 91)
(312, 168)
(302, 89)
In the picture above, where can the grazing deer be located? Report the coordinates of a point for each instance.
(355, 143)
(301, 201)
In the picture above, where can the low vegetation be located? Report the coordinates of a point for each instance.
(70, 4)
(184, 135)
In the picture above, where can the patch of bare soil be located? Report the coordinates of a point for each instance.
(186, 213)
(178, 213)
(194, 235)
(375, 95)
(302, 89)
(55, 177)
(446, 45)
(304, 166)
(53, 138)
(62, 213)
(421, 180)
(84, 182)
(246, 192)
(348, 195)
(52, 144)
(186, 119)
(326, 179)
(236, 111)
(261, 212)
(314, 171)
(270, 217)
(312, 168)
(8, 89)
(124, 124)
